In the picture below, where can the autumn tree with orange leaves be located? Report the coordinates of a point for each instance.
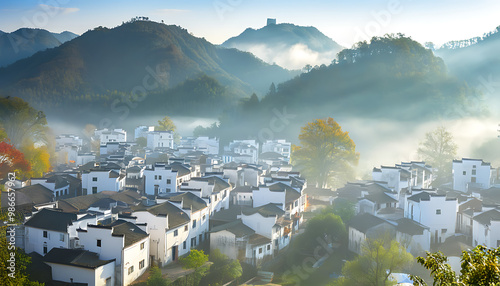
(326, 155)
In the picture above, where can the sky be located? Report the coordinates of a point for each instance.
(346, 22)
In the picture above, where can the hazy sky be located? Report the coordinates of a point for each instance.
(344, 21)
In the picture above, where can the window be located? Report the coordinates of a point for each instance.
(159, 177)
(141, 264)
(473, 172)
(98, 243)
(260, 250)
(45, 249)
(498, 243)
(194, 223)
(66, 191)
(176, 232)
(444, 230)
(61, 236)
(94, 179)
(465, 173)
(169, 181)
(268, 247)
(44, 233)
(142, 245)
(204, 217)
(473, 166)
(130, 270)
(94, 190)
(438, 211)
(156, 177)
(473, 179)
(193, 242)
(184, 244)
(186, 227)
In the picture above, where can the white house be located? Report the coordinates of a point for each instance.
(97, 180)
(268, 221)
(365, 226)
(279, 146)
(242, 151)
(238, 241)
(471, 173)
(159, 179)
(415, 237)
(160, 139)
(49, 229)
(437, 212)
(120, 240)
(116, 135)
(213, 189)
(198, 211)
(68, 140)
(142, 131)
(80, 266)
(486, 229)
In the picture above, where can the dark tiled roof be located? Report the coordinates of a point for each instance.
(130, 231)
(37, 193)
(51, 220)
(270, 155)
(380, 198)
(235, 227)
(318, 192)
(176, 216)
(180, 169)
(265, 210)
(257, 239)
(410, 227)
(486, 217)
(189, 200)
(280, 187)
(291, 195)
(75, 257)
(218, 183)
(228, 214)
(365, 221)
(243, 189)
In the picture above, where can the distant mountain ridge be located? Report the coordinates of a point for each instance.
(25, 42)
(134, 56)
(281, 43)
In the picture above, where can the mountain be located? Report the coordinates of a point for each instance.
(474, 60)
(391, 79)
(23, 43)
(287, 45)
(138, 56)
(64, 36)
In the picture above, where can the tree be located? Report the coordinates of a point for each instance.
(39, 159)
(308, 67)
(156, 279)
(378, 260)
(166, 124)
(22, 260)
(195, 260)
(342, 207)
(222, 270)
(327, 154)
(438, 149)
(12, 160)
(21, 121)
(480, 266)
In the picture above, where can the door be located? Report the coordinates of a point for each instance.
(175, 253)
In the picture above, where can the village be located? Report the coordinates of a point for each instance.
(106, 218)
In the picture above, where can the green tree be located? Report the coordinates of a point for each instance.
(378, 260)
(438, 150)
(141, 142)
(22, 260)
(195, 260)
(327, 154)
(166, 124)
(222, 270)
(21, 121)
(156, 279)
(342, 207)
(480, 266)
